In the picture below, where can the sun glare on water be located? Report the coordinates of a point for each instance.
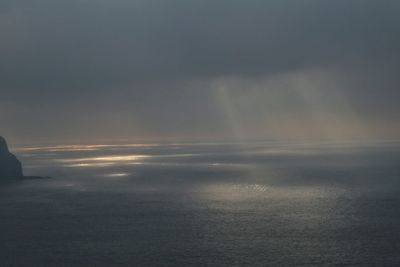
(108, 158)
(102, 161)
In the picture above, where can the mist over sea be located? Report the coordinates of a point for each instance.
(211, 204)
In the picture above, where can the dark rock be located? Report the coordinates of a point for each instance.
(10, 166)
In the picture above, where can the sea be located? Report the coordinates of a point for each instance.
(204, 204)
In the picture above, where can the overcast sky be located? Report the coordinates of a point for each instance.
(112, 70)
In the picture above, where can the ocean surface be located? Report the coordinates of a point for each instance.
(256, 204)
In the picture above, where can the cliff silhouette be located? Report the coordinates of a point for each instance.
(10, 166)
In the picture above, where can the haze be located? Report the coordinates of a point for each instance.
(149, 71)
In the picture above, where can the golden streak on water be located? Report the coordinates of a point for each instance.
(101, 161)
(79, 165)
(106, 158)
(122, 174)
(80, 147)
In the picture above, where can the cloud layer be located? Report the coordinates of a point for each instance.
(198, 69)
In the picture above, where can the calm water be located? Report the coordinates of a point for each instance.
(204, 205)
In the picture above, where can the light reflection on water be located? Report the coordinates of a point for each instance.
(210, 204)
(102, 161)
(82, 165)
(107, 158)
(64, 148)
(121, 174)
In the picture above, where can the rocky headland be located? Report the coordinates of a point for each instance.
(10, 166)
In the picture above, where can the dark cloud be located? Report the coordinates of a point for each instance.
(158, 60)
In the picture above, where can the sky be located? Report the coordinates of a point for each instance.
(234, 70)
